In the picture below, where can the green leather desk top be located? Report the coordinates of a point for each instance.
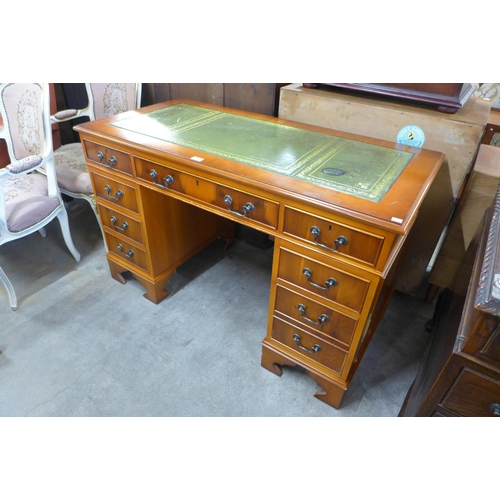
(353, 167)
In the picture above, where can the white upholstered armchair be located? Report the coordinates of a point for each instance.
(104, 99)
(28, 199)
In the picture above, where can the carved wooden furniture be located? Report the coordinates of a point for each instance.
(460, 372)
(171, 177)
(445, 97)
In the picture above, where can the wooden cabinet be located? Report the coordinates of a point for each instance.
(445, 97)
(460, 372)
(172, 177)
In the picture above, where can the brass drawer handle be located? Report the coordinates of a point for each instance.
(129, 254)
(247, 208)
(341, 241)
(120, 228)
(119, 193)
(112, 161)
(314, 348)
(322, 318)
(495, 408)
(328, 283)
(166, 180)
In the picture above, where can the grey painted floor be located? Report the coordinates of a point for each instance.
(81, 344)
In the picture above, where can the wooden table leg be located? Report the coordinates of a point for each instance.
(155, 290)
(273, 361)
(331, 394)
(116, 271)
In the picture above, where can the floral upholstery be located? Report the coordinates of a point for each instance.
(24, 165)
(27, 201)
(25, 194)
(72, 173)
(26, 129)
(65, 114)
(112, 98)
(105, 99)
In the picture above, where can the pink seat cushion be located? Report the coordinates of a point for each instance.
(72, 173)
(26, 201)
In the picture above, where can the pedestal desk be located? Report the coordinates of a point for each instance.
(172, 177)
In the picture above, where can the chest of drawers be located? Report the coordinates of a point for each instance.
(460, 373)
(172, 177)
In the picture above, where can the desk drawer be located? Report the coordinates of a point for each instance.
(319, 317)
(240, 203)
(108, 157)
(171, 179)
(127, 251)
(474, 395)
(308, 345)
(323, 280)
(247, 206)
(121, 224)
(334, 237)
(115, 192)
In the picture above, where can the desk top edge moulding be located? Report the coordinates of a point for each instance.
(172, 177)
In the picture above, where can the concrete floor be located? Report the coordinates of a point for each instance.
(81, 344)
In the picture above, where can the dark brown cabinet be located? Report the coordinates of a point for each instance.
(460, 372)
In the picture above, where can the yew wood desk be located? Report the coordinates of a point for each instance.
(172, 177)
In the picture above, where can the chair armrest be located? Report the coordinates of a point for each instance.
(64, 115)
(25, 165)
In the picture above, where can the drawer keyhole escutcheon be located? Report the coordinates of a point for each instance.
(328, 283)
(340, 241)
(247, 208)
(166, 180)
(322, 318)
(130, 253)
(119, 193)
(120, 228)
(314, 348)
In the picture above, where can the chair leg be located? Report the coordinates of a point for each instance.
(10, 290)
(102, 230)
(93, 204)
(64, 223)
(43, 232)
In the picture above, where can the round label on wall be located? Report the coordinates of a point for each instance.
(411, 135)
